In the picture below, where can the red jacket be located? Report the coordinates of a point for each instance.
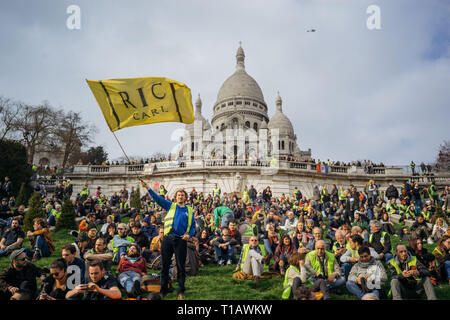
(139, 266)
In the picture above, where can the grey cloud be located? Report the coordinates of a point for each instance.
(341, 86)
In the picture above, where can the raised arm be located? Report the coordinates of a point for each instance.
(158, 199)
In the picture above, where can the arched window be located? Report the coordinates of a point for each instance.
(255, 126)
(247, 124)
(44, 161)
(235, 123)
(282, 145)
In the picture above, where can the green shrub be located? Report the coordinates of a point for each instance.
(35, 210)
(137, 200)
(67, 218)
(22, 196)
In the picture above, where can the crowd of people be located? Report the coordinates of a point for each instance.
(339, 240)
(128, 162)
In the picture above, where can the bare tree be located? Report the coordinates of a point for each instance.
(72, 134)
(36, 126)
(443, 158)
(9, 111)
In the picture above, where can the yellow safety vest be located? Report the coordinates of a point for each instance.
(245, 250)
(287, 287)
(426, 216)
(168, 220)
(315, 264)
(411, 263)
(383, 235)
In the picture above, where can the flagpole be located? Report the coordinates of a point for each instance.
(120, 145)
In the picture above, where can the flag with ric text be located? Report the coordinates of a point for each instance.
(137, 101)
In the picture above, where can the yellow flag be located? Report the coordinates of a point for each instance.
(135, 101)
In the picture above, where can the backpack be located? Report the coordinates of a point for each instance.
(192, 261)
(152, 283)
(155, 262)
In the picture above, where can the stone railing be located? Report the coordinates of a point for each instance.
(135, 167)
(397, 171)
(99, 169)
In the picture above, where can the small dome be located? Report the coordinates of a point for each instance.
(198, 116)
(279, 120)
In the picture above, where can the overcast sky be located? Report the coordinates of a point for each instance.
(350, 92)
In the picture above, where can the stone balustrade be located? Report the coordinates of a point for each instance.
(232, 174)
(241, 163)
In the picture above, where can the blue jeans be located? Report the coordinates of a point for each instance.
(227, 254)
(346, 267)
(339, 282)
(355, 289)
(267, 246)
(445, 269)
(418, 202)
(41, 246)
(388, 256)
(8, 251)
(51, 221)
(366, 236)
(227, 217)
(127, 278)
(6, 222)
(120, 251)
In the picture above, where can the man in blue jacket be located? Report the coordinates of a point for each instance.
(179, 226)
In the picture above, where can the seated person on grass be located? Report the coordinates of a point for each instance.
(409, 277)
(282, 253)
(132, 267)
(224, 248)
(367, 275)
(253, 258)
(40, 240)
(351, 256)
(297, 276)
(120, 242)
(322, 264)
(12, 239)
(54, 287)
(101, 253)
(442, 254)
(101, 286)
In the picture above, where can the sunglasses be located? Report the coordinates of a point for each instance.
(21, 259)
(253, 240)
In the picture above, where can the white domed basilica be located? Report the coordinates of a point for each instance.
(240, 127)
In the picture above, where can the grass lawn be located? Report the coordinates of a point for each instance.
(216, 283)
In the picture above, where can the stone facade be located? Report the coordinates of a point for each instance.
(232, 176)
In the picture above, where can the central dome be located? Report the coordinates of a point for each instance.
(240, 84)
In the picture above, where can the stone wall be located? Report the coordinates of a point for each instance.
(232, 177)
